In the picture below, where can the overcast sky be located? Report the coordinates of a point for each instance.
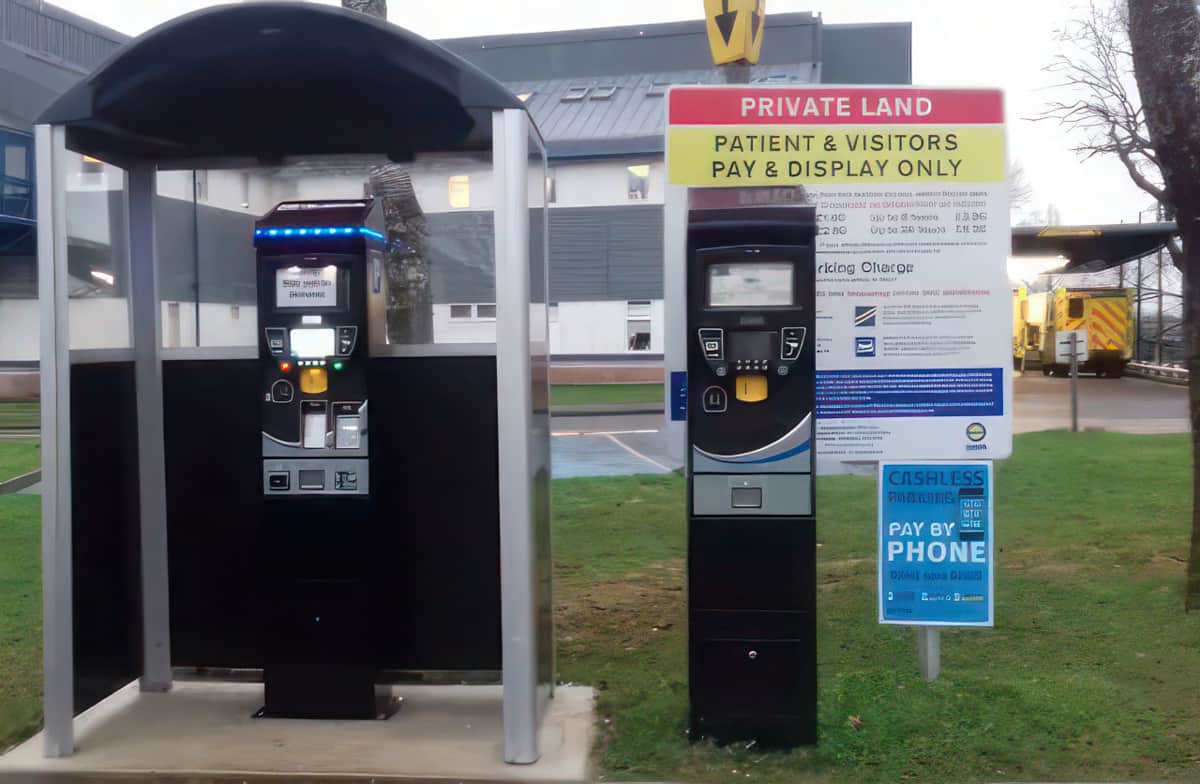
(956, 43)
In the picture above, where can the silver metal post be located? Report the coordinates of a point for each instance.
(1075, 381)
(518, 562)
(58, 659)
(152, 480)
(929, 652)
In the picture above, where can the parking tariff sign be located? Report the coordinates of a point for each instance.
(936, 565)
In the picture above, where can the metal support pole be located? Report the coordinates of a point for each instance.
(1158, 334)
(518, 561)
(929, 652)
(152, 479)
(1075, 381)
(58, 652)
(1137, 344)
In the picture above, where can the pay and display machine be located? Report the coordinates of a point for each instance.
(319, 276)
(751, 510)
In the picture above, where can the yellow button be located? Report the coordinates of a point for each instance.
(751, 388)
(313, 380)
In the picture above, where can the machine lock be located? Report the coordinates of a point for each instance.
(751, 388)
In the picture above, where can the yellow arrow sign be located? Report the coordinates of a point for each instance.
(735, 29)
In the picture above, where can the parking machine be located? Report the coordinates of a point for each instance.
(751, 509)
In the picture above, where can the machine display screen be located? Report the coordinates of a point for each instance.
(751, 284)
(750, 345)
(306, 287)
(312, 343)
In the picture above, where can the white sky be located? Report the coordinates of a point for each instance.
(955, 43)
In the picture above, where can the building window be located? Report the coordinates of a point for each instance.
(604, 92)
(16, 196)
(551, 194)
(460, 191)
(639, 181)
(576, 93)
(638, 325)
(485, 312)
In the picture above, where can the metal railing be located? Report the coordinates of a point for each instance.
(1170, 374)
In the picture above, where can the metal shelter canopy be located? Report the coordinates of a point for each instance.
(1092, 248)
(267, 81)
(239, 86)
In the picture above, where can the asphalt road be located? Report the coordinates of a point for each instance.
(620, 445)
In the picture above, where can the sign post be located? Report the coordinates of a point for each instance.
(1070, 346)
(935, 550)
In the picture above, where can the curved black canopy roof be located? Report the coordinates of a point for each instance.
(1092, 248)
(273, 80)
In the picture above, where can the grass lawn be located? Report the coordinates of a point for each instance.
(1092, 671)
(19, 414)
(20, 617)
(587, 394)
(18, 456)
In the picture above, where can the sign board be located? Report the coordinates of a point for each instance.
(914, 306)
(936, 544)
(1062, 346)
(735, 29)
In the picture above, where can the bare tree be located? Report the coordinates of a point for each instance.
(371, 7)
(1130, 71)
(1020, 192)
(410, 291)
(1165, 49)
(1101, 100)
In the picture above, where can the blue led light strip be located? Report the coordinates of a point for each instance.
(318, 231)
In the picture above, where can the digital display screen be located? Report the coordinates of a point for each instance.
(306, 287)
(312, 343)
(751, 345)
(751, 284)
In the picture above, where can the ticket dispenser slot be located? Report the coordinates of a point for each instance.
(751, 369)
(314, 285)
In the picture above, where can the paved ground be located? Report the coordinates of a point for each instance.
(1127, 405)
(609, 446)
(618, 445)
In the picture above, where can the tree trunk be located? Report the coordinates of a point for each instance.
(1165, 38)
(372, 7)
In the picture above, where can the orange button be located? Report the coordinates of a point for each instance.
(314, 380)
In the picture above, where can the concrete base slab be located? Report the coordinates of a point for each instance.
(203, 732)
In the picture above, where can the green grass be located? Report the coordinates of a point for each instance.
(19, 415)
(20, 618)
(1092, 671)
(18, 456)
(588, 394)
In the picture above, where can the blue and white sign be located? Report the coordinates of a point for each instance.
(936, 544)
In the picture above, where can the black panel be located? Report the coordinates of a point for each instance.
(435, 585)
(105, 531)
(752, 564)
(215, 534)
(435, 484)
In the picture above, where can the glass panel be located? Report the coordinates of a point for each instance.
(639, 182)
(97, 256)
(436, 251)
(639, 335)
(460, 311)
(485, 311)
(16, 161)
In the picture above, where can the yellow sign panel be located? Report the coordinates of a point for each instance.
(735, 29)
(833, 155)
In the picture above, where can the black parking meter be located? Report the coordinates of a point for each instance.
(751, 510)
(319, 267)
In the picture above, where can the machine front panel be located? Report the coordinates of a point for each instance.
(312, 316)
